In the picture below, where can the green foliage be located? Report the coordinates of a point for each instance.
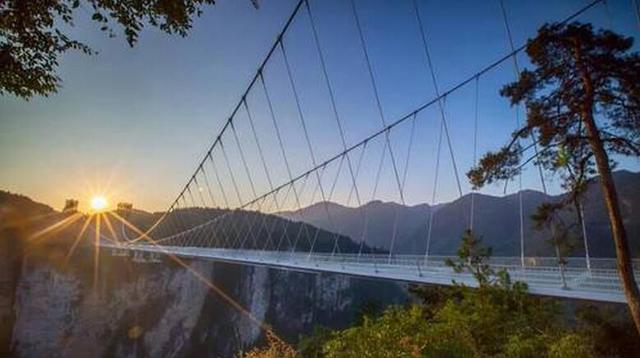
(500, 318)
(398, 332)
(473, 257)
(578, 73)
(489, 321)
(572, 345)
(495, 166)
(275, 348)
(32, 34)
(563, 235)
(609, 329)
(311, 346)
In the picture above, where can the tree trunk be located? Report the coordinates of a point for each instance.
(624, 265)
(623, 262)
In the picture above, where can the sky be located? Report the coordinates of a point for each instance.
(133, 123)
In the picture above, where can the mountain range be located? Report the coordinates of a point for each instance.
(496, 221)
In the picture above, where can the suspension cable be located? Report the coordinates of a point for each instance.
(280, 141)
(376, 95)
(231, 175)
(258, 145)
(505, 21)
(373, 196)
(331, 97)
(607, 12)
(636, 6)
(425, 46)
(305, 130)
(584, 236)
(278, 135)
(219, 181)
(396, 218)
(377, 133)
(244, 160)
(475, 150)
(433, 196)
(206, 181)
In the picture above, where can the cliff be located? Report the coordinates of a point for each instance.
(57, 309)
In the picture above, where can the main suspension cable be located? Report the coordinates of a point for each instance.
(381, 131)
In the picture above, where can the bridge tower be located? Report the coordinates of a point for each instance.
(124, 209)
(70, 206)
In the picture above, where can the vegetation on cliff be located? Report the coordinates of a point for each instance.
(498, 319)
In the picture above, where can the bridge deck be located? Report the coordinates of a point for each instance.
(542, 275)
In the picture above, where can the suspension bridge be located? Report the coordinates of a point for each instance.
(258, 167)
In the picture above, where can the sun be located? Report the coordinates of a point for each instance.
(99, 203)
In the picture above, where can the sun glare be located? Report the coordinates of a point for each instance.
(99, 203)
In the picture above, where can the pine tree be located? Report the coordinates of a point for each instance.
(583, 105)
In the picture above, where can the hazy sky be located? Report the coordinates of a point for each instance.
(134, 122)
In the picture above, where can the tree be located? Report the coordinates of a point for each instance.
(33, 38)
(275, 348)
(583, 105)
(499, 318)
(473, 257)
(609, 328)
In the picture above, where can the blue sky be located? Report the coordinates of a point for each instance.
(134, 122)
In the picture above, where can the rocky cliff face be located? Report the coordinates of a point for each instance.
(163, 309)
(51, 307)
(9, 274)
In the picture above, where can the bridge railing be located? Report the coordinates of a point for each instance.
(542, 275)
(507, 262)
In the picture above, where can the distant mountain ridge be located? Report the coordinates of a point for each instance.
(496, 219)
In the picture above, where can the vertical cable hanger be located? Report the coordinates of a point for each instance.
(607, 12)
(279, 136)
(440, 98)
(336, 235)
(317, 232)
(331, 96)
(303, 123)
(535, 147)
(301, 220)
(272, 115)
(244, 160)
(232, 176)
(258, 77)
(433, 194)
(519, 194)
(378, 102)
(636, 6)
(365, 227)
(376, 94)
(475, 150)
(405, 172)
(208, 185)
(284, 224)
